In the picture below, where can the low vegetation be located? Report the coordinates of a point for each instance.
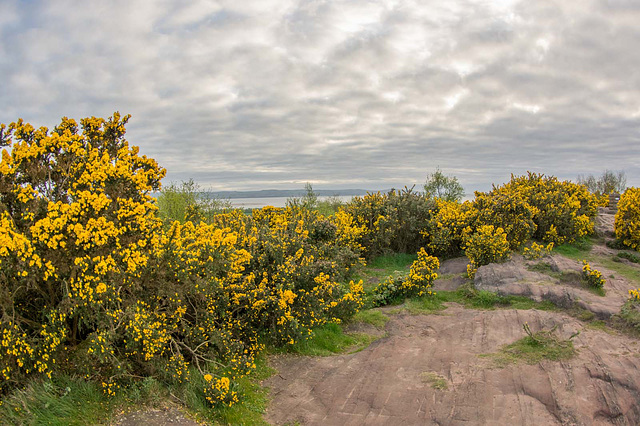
(535, 347)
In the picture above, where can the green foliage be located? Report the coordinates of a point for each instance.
(576, 250)
(633, 258)
(627, 219)
(308, 201)
(606, 184)
(443, 187)
(434, 380)
(186, 202)
(630, 315)
(393, 222)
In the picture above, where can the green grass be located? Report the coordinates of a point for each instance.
(371, 316)
(628, 320)
(330, 339)
(434, 380)
(69, 400)
(631, 257)
(393, 261)
(469, 297)
(576, 250)
(531, 349)
(380, 268)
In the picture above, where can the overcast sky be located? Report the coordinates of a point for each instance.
(375, 94)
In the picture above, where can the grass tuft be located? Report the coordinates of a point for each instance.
(533, 348)
(435, 380)
(371, 316)
(330, 339)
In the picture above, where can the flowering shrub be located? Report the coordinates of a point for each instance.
(486, 245)
(421, 276)
(627, 219)
(564, 209)
(593, 277)
(634, 295)
(444, 231)
(536, 251)
(219, 391)
(89, 274)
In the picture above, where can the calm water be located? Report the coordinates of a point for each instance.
(254, 203)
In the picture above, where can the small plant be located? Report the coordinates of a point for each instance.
(536, 347)
(435, 380)
(634, 295)
(593, 277)
(536, 251)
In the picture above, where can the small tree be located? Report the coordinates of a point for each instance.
(443, 187)
(606, 184)
(188, 202)
(308, 201)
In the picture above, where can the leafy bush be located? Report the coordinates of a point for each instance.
(186, 202)
(627, 219)
(393, 222)
(421, 276)
(444, 230)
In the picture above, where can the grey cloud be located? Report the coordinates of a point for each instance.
(256, 94)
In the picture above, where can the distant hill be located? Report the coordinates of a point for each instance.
(266, 193)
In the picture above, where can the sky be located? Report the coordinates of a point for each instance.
(245, 95)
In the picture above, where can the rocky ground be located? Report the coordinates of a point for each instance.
(434, 369)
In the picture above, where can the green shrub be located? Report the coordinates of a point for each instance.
(486, 245)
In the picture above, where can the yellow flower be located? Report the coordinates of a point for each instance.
(208, 377)
(102, 287)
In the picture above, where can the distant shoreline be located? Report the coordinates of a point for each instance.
(277, 193)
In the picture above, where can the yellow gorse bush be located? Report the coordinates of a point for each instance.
(536, 251)
(627, 219)
(486, 245)
(634, 295)
(90, 275)
(593, 277)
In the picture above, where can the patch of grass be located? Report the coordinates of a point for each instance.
(533, 348)
(628, 320)
(70, 400)
(380, 268)
(393, 261)
(575, 250)
(630, 272)
(330, 339)
(434, 380)
(628, 256)
(60, 401)
(601, 326)
(581, 313)
(468, 296)
(371, 316)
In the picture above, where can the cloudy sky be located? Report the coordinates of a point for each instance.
(263, 94)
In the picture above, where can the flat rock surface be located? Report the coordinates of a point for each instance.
(385, 384)
(155, 417)
(515, 278)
